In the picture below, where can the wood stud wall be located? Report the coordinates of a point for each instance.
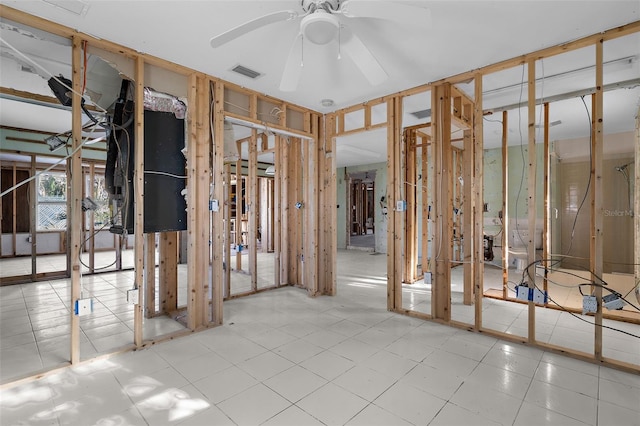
(314, 184)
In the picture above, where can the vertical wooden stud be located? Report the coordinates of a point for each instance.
(468, 231)
(597, 214)
(150, 275)
(252, 198)
(168, 272)
(33, 224)
(546, 226)
(531, 194)
(138, 190)
(74, 224)
(505, 204)
(478, 199)
(220, 244)
(277, 211)
(441, 291)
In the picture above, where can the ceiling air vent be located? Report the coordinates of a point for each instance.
(76, 7)
(425, 113)
(247, 72)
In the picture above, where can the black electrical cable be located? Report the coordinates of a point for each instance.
(586, 191)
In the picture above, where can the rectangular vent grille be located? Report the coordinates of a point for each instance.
(247, 72)
(76, 7)
(425, 113)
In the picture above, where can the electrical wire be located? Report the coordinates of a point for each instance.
(152, 172)
(586, 191)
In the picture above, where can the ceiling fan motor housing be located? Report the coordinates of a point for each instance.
(313, 5)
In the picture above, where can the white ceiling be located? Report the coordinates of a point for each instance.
(463, 35)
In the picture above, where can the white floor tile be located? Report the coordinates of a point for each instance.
(568, 379)
(254, 406)
(293, 416)
(453, 415)
(434, 381)
(496, 406)
(295, 383)
(611, 414)
(265, 365)
(225, 384)
(298, 351)
(569, 403)
(364, 382)
(533, 415)
(376, 416)
(354, 350)
(500, 380)
(410, 403)
(343, 404)
(620, 394)
(455, 364)
(327, 365)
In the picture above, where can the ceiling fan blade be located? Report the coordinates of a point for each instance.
(271, 18)
(364, 59)
(402, 13)
(293, 67)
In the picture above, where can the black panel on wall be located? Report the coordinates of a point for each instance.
(164, 205)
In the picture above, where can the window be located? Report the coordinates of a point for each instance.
(52, 201)
(102, 215)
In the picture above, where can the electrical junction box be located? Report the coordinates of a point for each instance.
(401, 206)
(83, 307)
(427, 277)
(132, 296)
(612, 302)
(589, 304)
(522, 293)
(539, 296)
(214, 206)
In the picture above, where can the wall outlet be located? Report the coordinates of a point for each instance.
(83, 307)
(132, 296)
(589, 304)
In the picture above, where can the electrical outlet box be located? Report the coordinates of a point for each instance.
(589, 304)
(401, 206)
(427, 277)
(539, 296)
(132, 296)
(612, 302)
(522, 293)
(83, 307)
(214, 206)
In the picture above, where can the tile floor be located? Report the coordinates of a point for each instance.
(282, 358)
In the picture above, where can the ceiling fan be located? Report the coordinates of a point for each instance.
(321, 22)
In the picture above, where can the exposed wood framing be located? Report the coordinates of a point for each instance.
(395, 229)
(277, 212)
(138, 190)
(197, 205)
(33, 224)
(597, 214)
(92, 219)
(478, 200)
(546, 225)
(220, 246)
(505, 204)
(227, 231)
(150, 275)
(424, 188)
(252, 198)
(311, 207)
(74, 224)
(443, 200)
(327, 242)
(531, 194)
(467, 208)
(168, 272)
(410, 269)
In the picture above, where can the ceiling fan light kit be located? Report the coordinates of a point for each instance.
(319, 27)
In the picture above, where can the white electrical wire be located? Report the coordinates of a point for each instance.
(153, 172)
